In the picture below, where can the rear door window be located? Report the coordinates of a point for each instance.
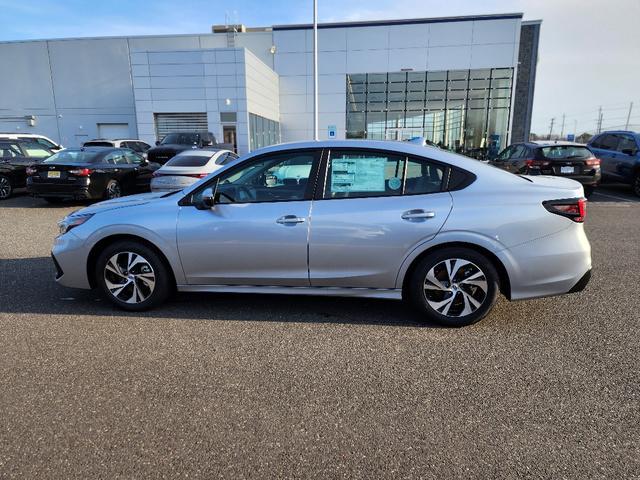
(627, 142)
(357, 174)
(9, 150)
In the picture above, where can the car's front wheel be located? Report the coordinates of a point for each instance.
(6, 189)
(636, 184)
(133, 276)
(454, 287)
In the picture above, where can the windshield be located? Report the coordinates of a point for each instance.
(565, 152)
(72, 156)
(189, 161)
(181, 139)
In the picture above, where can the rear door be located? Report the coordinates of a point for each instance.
(371, 209)
(142, 170)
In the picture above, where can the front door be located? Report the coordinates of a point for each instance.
(257, 232)
(375, 209)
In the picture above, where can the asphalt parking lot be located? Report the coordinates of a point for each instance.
(241, 386)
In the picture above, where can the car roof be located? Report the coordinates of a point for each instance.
(554, 143)
(201, 152)
(629, 132)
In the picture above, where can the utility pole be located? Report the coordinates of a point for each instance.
(315, 69)
(626, 126)
(551, 127)
(562, 129)
(599, 129)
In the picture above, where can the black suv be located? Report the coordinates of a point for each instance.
(15, 157)
(563, 159)
(174, 143)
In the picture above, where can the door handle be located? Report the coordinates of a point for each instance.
(290, 220)
(417, 214)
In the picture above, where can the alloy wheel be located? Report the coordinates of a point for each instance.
(113, 190)
(5, 188)
(455, 287)
(129, 277)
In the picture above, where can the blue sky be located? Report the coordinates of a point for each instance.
(589, 52)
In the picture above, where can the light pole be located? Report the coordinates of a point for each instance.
(315, 69)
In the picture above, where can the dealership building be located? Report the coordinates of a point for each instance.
(465, 83)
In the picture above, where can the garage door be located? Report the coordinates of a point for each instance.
(113, 130)
(180, 122)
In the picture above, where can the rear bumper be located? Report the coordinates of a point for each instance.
(74, 191)
(552, 265)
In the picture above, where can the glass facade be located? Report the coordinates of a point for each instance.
(262, 132)
(462, 110)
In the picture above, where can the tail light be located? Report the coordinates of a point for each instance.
(81, 172)
(31, 171)
(592, 162)
(572, 208)
(537, 163)
(198, 175)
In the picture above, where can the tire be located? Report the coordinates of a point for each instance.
(588, 190)
(133, 276)
(6, 189)
(454, 303)
(635, 186)
(113, 190)
(53, 200)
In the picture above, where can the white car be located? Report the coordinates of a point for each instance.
(188, 167)
(46, 142)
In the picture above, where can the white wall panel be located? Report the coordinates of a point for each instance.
(332, 62)
(367, 38)
(494, 31)
(415, 58)
(451, 33)
(363, 61)
(488, 56)
(332, 39)
(449, 58)
(408, 36)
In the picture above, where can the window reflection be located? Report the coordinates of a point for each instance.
(467, 111)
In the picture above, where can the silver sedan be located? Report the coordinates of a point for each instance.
(187, 167)
(353, 218)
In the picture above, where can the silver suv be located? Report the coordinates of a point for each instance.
(353, 218)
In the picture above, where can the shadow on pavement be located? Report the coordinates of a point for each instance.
(27, 286)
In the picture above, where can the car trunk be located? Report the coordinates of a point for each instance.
(60, 174)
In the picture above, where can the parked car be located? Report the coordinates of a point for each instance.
(187, 167)
(175, 143)
(15, 157)
(90, 173)
(137, 146)
(564, 159)
(619, 152)
(368, 219)
(46, 142)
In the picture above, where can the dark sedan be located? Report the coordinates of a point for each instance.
(92, 173)
(174, 143)
(564, 159)
(15, 157)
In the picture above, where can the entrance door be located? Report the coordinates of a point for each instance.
(229, 135)
(257, 232)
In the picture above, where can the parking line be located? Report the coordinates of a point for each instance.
(615, 197)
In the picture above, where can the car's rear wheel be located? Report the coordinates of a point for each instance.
(133, 276)
(113, 190)
(6, 189)
(454, 287)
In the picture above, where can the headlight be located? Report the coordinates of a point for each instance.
(73, 220)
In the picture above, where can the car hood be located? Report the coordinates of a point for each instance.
(122, 202)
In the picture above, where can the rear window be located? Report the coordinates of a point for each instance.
(562, 152)
(72, 156)
(97, 144)
(188, 161)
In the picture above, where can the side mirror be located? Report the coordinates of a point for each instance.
(207, 200)
(157, 142)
